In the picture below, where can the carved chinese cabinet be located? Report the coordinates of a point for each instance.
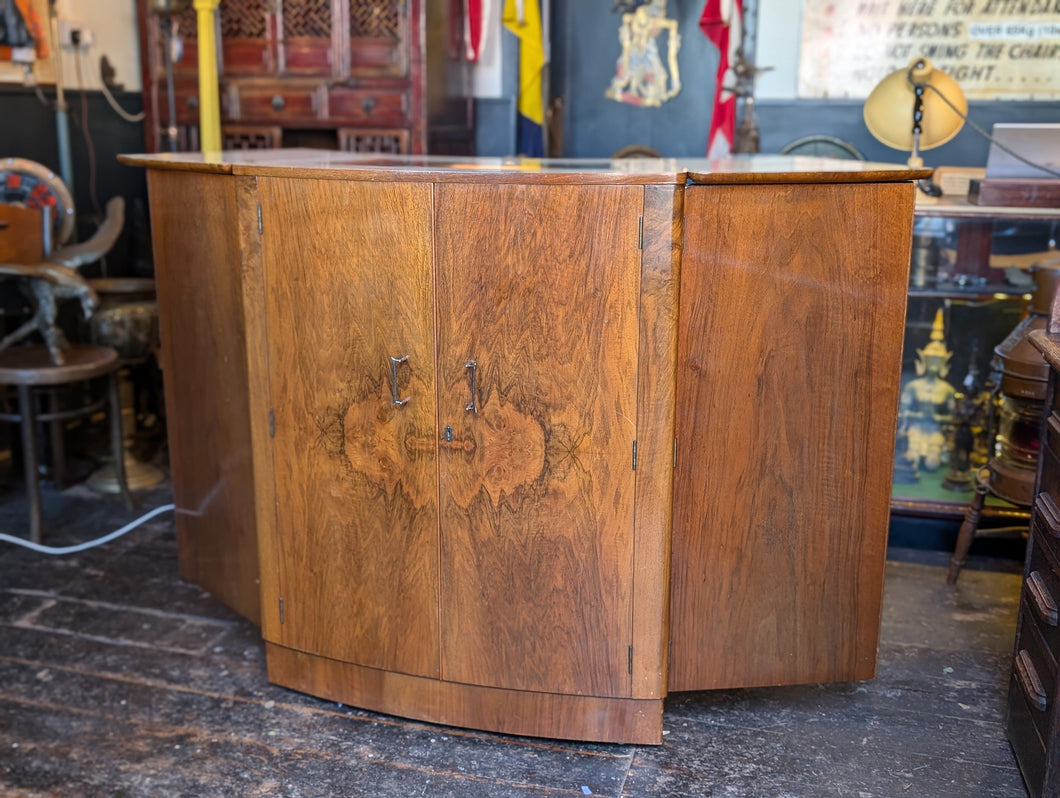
(386, 76)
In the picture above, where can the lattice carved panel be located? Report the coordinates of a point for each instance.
(185, 24)
(389, 142)
(251, 138)
(307, 18)
(243, 19)
(379, 19)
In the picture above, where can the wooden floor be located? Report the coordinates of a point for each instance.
(118, 679)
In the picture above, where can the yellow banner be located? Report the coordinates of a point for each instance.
(995, 49)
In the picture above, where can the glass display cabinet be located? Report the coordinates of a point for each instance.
(974, 280)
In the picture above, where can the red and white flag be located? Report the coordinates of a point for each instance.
(722, 23)
(475, 22)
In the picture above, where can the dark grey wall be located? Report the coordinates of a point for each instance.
(584, 51)
(495, 117)
(29, 131)
(585, 47)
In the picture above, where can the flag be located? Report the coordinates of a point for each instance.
(523, 18)
(475, 12)
(722, 23)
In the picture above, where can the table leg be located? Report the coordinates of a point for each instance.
(29, 458)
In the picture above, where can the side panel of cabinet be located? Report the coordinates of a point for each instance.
(792, 311)
(197, 275)
(348, 289)
(538, 286)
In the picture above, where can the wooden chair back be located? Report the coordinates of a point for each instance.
(23, 234)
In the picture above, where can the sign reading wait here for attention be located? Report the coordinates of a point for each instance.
(995, 49)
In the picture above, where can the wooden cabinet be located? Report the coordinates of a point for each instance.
(519, 433)
(1032, 722)
(358, 75)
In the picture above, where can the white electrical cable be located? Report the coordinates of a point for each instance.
(117, 108)
(88, 544)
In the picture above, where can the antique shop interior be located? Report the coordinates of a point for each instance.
(730, 471)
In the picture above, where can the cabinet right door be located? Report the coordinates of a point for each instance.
(350, 328)
(538, 292)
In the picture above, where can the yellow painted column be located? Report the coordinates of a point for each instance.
(209, 97)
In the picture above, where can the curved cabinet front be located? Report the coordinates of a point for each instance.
(452, 394)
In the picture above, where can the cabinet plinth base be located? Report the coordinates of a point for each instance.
(569, 717)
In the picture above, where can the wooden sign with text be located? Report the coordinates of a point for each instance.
(995, 49)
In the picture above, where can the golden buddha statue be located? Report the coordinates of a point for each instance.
(925, 410)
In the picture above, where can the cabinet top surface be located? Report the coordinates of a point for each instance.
(637, 171)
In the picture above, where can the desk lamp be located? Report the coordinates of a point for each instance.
(914, 109)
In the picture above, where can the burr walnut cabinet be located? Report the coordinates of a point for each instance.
(525, 446)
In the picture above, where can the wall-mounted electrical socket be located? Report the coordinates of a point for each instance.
(74, 34)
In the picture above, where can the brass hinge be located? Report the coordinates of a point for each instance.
(631, 660)
(640, 233)
(260, 227)
(272, 424)
(634, 455)
(281, 609)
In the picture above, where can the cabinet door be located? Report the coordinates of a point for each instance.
(538, 287)
(377, 38)
(308, 37)
(348, 287)
(248, 44)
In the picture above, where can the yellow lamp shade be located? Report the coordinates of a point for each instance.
(889, 108)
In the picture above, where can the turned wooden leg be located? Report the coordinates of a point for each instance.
(968, 527)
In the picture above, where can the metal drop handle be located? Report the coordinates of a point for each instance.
(472, 406)
(394, 361)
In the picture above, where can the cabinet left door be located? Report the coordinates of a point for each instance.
(347, 273)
